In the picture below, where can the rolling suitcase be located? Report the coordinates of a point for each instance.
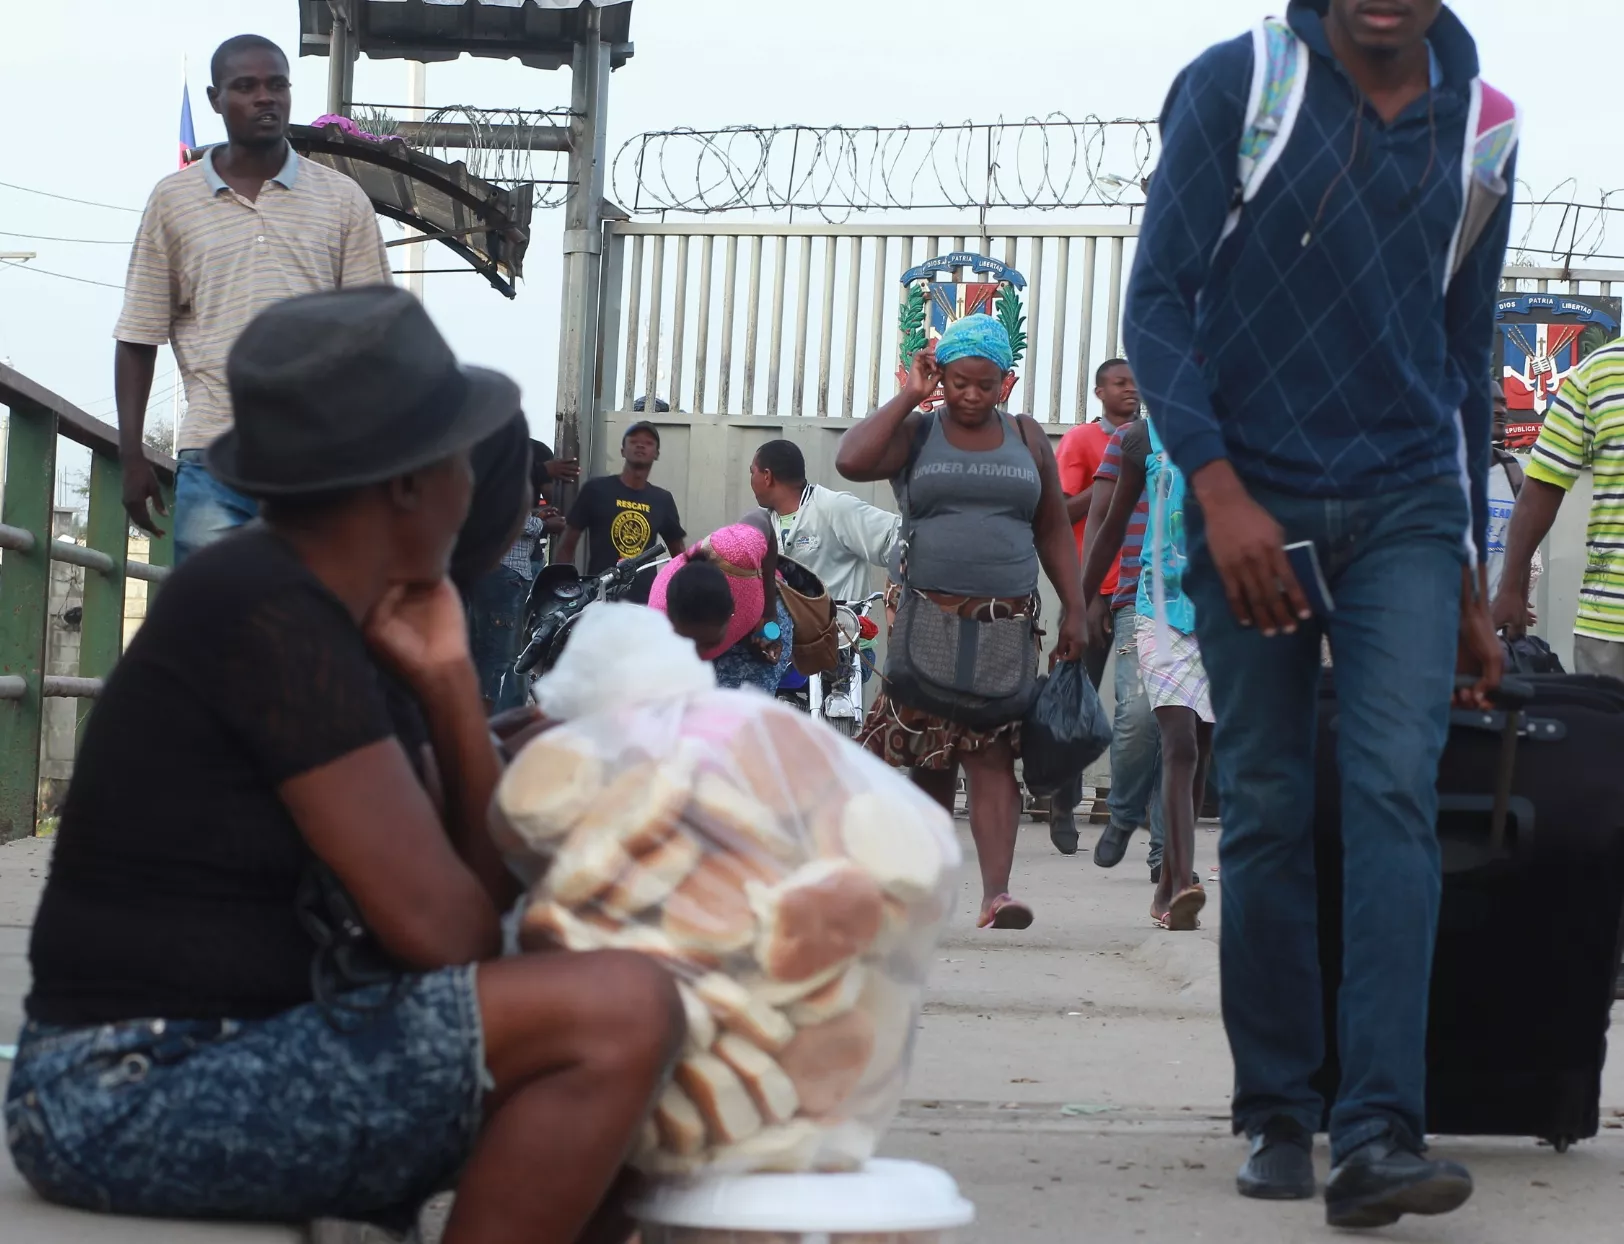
(1529, 927)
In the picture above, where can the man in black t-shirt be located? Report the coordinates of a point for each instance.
(624, 514)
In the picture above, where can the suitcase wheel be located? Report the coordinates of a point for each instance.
(1561, 1143)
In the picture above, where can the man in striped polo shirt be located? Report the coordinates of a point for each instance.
(1584, 427)
(250, 224)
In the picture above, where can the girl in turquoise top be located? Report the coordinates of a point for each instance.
(1169, 660)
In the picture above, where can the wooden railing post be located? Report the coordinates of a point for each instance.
(24, 602)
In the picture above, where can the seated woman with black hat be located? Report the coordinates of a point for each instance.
(265, 973)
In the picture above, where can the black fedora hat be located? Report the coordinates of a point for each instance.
(338, 390)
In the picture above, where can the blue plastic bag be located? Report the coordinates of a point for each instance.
(1065, 730)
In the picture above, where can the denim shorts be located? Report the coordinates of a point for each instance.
(205, 509)
(282, 1119)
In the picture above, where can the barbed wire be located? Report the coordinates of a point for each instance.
(1045, 164)
(1559, 229)
(501, 138)
(1040, 163)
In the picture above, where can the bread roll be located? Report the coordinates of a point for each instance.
(701, 1023)
(894, 928)
(819, 916)
(729, 1113)
(664, 1165)
(895, 844)
(641, 807)
(651, 876)
(646, 940)
(787, 760)
(709, 911)
(783, 994)
(589, 863)
(549, 787)
(832, 1000)
(826, 1062)
(738, 1011)
(788, 1149)
(846, 1146)
(735, 816)
(890, 1010)
(547, 925)
(681, 1128)
(765, 1080)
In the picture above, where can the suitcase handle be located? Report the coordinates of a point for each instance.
(1511, 695)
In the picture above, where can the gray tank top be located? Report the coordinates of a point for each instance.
(967, 516)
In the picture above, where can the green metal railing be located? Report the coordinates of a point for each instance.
(37, 418)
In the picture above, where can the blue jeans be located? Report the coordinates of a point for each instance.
(280, 1120)
(205, 509)
(1136, 742)
(742, 666)
(494, 607)
(1393, 565)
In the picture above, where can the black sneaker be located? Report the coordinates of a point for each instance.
(1156, 876)
(1376, 1185)
(1281, 1164)
(1113, 845)
(1063, 828)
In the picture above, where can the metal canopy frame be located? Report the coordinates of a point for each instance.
(540, 37)
(487, 225)
(593, 38)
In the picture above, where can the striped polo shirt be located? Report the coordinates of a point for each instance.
(207, 260)
(1584, 427)
(1133, 544)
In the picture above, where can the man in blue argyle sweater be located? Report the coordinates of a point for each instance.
(1310, 319)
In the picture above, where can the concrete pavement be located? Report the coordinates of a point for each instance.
(1074, 1079)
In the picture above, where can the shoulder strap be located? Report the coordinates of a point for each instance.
(1279, 79)
(1037, 456)
(927, 420)
(1161, 496)
(1513, 469)
(1492, 124)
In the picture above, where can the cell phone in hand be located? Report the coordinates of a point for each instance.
(1305, 565)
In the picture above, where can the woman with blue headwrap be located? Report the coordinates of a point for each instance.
(981, 508)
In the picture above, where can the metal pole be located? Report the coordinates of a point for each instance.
(583, 233)
(416, 96)
(340, 60)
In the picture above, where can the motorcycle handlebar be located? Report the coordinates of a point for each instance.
(643, 560)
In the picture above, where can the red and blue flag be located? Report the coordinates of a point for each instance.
(188, 138)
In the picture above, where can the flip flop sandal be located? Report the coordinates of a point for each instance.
(1006, 913)
(1183, 912)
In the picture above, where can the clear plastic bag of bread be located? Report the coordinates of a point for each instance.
(794, 885)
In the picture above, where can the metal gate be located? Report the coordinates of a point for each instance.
(757, 331)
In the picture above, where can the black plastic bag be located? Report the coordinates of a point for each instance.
(1065, 730)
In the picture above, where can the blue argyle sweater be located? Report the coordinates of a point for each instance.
(1317, 347)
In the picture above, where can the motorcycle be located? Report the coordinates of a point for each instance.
(558, 598)
(837, 696)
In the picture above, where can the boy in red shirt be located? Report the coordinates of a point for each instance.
(1079, 455)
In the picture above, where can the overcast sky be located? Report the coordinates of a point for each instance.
(92, 89)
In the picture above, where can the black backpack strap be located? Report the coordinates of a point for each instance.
(1513, 466)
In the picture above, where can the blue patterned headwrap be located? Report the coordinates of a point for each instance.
(975, 337)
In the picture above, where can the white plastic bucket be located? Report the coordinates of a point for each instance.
(887, 1202)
